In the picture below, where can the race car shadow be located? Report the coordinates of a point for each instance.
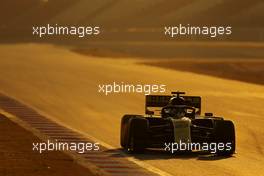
(213, 157)
(156, 154)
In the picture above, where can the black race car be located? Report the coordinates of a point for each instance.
(178, 126)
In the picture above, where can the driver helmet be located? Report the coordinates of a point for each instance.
(177, 101)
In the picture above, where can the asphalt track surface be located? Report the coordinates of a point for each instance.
(64, 87)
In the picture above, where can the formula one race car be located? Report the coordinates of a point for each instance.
(178, 126)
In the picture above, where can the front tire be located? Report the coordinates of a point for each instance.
(225, 133)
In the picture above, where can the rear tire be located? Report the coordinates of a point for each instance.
(124, 130)
(225, 133)
(138, 135)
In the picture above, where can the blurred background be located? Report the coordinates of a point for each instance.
(143, 18)
(136, 29)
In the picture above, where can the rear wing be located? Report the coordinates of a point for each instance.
(158, 101)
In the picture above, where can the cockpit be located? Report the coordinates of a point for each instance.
(177, 111)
